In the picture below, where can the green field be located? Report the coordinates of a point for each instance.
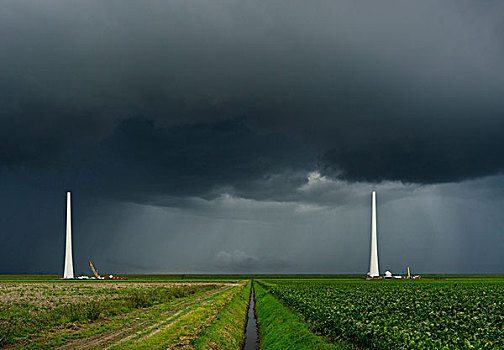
(295, 311)
(389, 314)
(189, 277)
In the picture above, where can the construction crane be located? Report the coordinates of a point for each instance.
(416, 277)
(97, 276)
(94, 270)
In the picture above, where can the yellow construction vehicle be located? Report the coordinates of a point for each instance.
(416, 277)
(94, 270)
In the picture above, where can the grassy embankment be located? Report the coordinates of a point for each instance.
(214, 324)
(281, 329)
(227, 331)
(21, 323)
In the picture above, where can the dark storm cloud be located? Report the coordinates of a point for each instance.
(193, 159)
(403, 91)
(238, 135)
(450, 153)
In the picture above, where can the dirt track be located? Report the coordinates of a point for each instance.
(145, 328)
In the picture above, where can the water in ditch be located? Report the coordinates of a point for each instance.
(251, 330)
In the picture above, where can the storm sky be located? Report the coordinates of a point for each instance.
(247, 136)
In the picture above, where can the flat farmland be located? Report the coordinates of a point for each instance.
(109, 314)
(293, 312)
(39, 297)
(465, 313)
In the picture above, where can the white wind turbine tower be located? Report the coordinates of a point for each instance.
(68, 272)
(373, 264)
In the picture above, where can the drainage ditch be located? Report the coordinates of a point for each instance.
(251, 330)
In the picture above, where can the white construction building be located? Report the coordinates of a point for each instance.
(68, 272)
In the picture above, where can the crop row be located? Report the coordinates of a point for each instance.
(400, 314)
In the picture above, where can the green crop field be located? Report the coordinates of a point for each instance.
(411, 314)
(293, 312)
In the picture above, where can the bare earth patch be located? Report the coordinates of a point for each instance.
(45, 296)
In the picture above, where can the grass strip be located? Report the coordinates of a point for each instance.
(281, 329)
(228, 329)
(23, 328)
(186, 328)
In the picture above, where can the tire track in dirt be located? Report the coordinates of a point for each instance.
(165, 323)
(123, 334)
(131, 336)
